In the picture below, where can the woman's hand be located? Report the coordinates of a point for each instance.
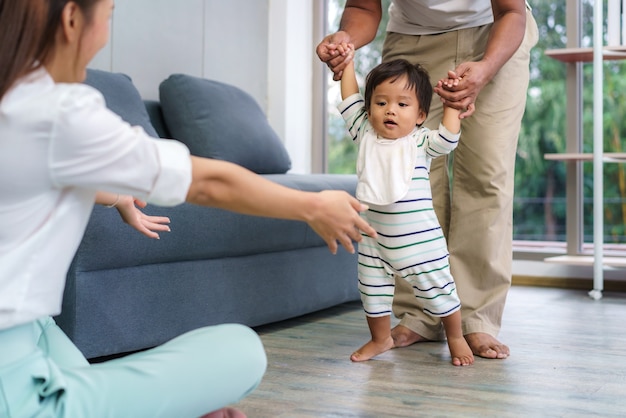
(335, 217)
(129, 209)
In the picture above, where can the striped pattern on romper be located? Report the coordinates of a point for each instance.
(410, 243)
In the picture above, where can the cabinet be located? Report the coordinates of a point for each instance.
(574, 56)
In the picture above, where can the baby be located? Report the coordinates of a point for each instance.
(393, 180)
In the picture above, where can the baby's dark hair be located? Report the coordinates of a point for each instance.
(417, 79)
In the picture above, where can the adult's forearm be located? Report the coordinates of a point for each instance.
(507, 32)
(360, 20)
(333, 214)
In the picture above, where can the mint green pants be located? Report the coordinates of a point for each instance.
(43, 374)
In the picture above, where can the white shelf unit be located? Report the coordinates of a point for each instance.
(574, 56)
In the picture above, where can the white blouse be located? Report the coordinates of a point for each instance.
(59, 145)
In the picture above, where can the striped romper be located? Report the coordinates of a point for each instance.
(410, 243)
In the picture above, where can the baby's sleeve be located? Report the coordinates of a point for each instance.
(441, 142)
(353, 112)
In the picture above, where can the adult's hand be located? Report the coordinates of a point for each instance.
(358, 26)
(335, 217)
(472, 76)
(150, 226)
(330, 52)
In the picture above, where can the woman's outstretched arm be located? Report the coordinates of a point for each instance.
(333, 214)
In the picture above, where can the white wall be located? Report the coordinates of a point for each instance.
(291, 77)
(264, 47)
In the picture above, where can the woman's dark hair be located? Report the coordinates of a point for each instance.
(417, 79)
(28, 31)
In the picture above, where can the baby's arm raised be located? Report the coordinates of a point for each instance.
(451, 119)
(349, 85)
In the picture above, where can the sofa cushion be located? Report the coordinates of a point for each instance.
(121, 97)
(220, 121)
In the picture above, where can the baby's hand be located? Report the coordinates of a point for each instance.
(345, 49)
(453, 80)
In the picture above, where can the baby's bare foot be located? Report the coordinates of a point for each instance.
(372, 349)
(484, 345)
(460, 351)
(404, 337)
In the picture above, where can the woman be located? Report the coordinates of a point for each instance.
(60, 151)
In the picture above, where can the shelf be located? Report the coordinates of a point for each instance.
(587, 260)
(607, 157)
(571, 55)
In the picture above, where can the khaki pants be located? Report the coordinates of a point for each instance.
(475, 205)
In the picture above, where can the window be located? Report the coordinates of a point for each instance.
(341, 151)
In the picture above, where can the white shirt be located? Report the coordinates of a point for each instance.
(384, 166)
(426, 17)
(59, 145)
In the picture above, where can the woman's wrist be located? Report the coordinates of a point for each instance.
(117, 200)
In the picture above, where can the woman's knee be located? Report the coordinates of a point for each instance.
(246, 345)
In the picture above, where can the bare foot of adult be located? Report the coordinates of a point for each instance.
(404, 337)
(460, 351)
(372, 349)
(484, 345)
(225, 413)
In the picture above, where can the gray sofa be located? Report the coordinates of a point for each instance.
(126, 292)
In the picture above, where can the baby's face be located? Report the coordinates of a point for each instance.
(394, 109)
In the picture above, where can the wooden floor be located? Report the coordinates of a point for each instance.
(568, 359)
